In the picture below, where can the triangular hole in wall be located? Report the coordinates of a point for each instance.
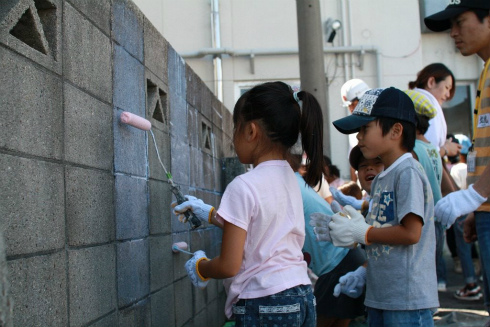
(28, 32)
(158, 112)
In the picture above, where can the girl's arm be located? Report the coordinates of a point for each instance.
(407, 233)
(228, 263)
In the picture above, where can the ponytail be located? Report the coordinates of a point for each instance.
(311, 129)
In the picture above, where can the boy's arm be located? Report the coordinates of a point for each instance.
(345, 232)
(407, 233)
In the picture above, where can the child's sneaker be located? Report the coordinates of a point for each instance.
(469, 293)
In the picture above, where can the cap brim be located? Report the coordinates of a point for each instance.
(441, 21)
(352, 123)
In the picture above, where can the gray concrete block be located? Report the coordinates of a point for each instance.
(209, 171)
(161, 262)
(82, 43)
(162, 140)
(156, 51)
(227, 122)
(181, 158)
(88, 132)
(217, 112)
(38, 289)
(32, 205)
(92, 278)
(33, 32)
(89, 206)
(231, 168)
(137, 315)
(178, 116)
(130, 148)
(32, 113)
(193, 120)
(176, 73)
(194, 86)
(163, 307)
(128, 26)
(129, 82)
(99, 12)
(183, 304)
(196, 168)
(207, 98)
(218, 176)
(133, 267)
(107, 321)
(131, 202)
(159, 207)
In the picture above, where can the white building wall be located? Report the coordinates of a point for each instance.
(391, 26)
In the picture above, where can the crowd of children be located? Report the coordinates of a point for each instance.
(380, 253)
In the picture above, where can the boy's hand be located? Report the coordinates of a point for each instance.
(352, 283)
(345, 232)
(346, 199)
(469, 229)
(457, 204)
(202, 210)
(192, 271)
(320, 222)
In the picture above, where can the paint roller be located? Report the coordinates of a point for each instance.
(181, 247)
(145, 125)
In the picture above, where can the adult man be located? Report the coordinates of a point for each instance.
(469, 21)
(351, 91)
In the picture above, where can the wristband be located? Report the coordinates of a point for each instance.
(211, 214)
(197, 269)
(366, 242)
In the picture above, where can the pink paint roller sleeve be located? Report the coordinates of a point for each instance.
(135, 121)
(179, 247)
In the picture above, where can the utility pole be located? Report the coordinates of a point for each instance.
(311, 59)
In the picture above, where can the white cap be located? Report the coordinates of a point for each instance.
(352, 89)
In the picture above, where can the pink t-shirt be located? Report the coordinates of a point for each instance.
(266, 202)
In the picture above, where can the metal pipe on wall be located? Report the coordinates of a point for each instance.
(216, 43)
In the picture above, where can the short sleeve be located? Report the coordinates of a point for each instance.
(410, 194)
(238, 204)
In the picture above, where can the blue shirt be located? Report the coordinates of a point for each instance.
(324, 255)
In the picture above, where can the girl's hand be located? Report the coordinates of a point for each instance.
(193, 272)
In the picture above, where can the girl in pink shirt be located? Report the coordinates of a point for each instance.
(261, 211)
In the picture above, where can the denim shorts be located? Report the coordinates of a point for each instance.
(294, 307)
(400, 318)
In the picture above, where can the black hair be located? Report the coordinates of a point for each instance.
(294, 161)
(481, 13)
(273, 105)
(422, 123)
(334, 170)
(437, 70)
(408, 134)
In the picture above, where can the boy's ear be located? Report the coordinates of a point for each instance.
(396, 131)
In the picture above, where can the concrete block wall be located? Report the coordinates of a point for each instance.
(84, 201)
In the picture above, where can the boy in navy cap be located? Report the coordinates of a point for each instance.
(401, 283)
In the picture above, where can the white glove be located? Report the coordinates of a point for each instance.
(192, 271)
(352, 283)
(320, 222)
(457, 204)
(346, 200)
(346, 232)
(202, 210)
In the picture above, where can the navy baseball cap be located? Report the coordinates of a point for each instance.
(376, 103)
(441, 21)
